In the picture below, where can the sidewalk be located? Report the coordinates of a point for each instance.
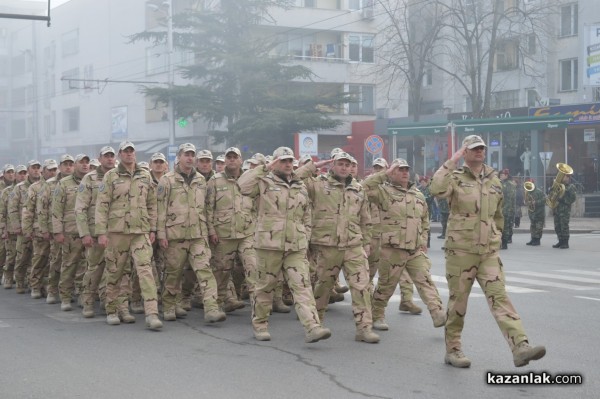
(576, 226)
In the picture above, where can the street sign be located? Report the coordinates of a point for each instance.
(374, 144)
(545, 157)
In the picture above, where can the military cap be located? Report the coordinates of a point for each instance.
(50, 164)
(220, 158)
(400, 163)
(158, 156)
(204, 154)
(268, 158)
(107, 149)
(342, 155)
(126, 144)
(234, 150)
(144, 165)
(353, 160)
(381, 162)
(335, 151)
(79, 157)
(257, 159)
(283, 153)
(66, 157)
(1, 172)
(34, 162)
(95, 162)
(21, 168)
(185, 147)
(473, 141)
(8, 167)
(304, 159)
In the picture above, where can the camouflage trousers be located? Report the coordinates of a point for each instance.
(120, 249)
(54, 268)
(39, 262)
(197, 253)
(93, 274)
(536, 228)
(374, 255)
(561, 225)
(509, 222)
(295, 270)
(462, 269)
(394, 262)
(224, 256)
(23, 260)
(73, 267)
(353, 261)
(406, 287)
(11, 254)
(2, 254)
(135, 290)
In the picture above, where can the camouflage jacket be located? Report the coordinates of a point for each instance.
(85, 203)
(565, 202)
(340, 211)
(16, 202)
(4, 208)
(509, 192)
(404, 213)
(126, 202)
(230, 214)
(536, 203)
(181, 207)
(475, 222)
(63, 206)
(29, 218)
(283, 213)
(44, 204)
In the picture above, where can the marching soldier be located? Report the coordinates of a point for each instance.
(8, 183)
(183, 234)
(126, 228)
(562, 214)
(281, 241)
(536, 209)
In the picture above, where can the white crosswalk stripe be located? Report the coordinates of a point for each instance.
(557, 277)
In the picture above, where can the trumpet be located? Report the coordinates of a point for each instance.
(558, 188)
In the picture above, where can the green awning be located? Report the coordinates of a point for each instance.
(418, 129)
(474, 126)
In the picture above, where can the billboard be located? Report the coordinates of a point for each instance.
(591, 55)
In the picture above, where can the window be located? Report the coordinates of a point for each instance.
(470, 11)
(50, 124)
(156, 60)
(532, 98)
(505, 99)
(69, 86)
(363, 97)
(531, 44)
(507, 55)
(568, 74)
(71, 120)
(569, 19)
(428, 77)
(70, 43)
(88, 76)
(360, 48)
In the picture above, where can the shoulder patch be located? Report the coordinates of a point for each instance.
(161, 189)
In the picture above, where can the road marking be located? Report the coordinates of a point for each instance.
(558, 277)
(551, 284)
(509, 288)
(4, 324)
(587, 297)
(584, 272)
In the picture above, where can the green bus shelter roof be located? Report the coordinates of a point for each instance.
(481, 125)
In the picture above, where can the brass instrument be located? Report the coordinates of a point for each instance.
(558, 188)
(529, 187)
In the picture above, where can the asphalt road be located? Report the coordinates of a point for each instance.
(46, 353)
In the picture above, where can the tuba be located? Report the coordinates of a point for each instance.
(558, 188)
(529, 187)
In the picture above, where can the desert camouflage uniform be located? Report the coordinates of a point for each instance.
(472, 243)
(2, 244)
(44, 208)
(281, 239)
(16, 202)
(405, 227)
(229, 216)
(126, 214)
(11, 238)
(536, 209)
(31, 228)
(182, 221)
(64, 221)
(341, 228)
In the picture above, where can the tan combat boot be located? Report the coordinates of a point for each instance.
(233, 304)
(380, 325)
(180, 312)
(20, 290)
(8, 280)
(88, 311)
(335, 297)
(341, 289)
(439, 318)
(113, 319)
(126, 317)
(523, 353)
(457, 359)
(65, 305)
(316, 334)
(213, 316)
(169, 314)
(153, 322)
(137, 307)
(280, 307)
(262, 335)
(409, 306)
(186, 304)
(51, 299)
(36, 294)
(366, 335)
